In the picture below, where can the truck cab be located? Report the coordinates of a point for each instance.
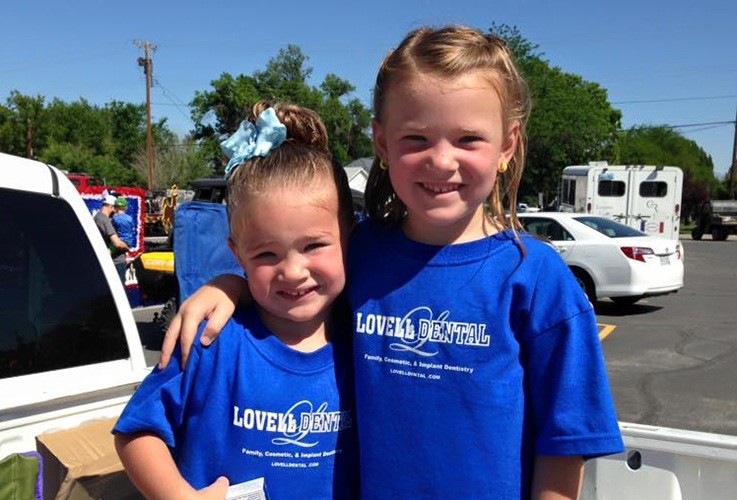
(715, 217)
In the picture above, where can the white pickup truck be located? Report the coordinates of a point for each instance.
(70, 352)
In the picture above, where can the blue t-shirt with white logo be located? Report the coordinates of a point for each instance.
(248, 406)
(470, 359)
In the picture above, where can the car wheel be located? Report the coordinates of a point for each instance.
(625, 301)
(586, 284)
(167, 314)
(696, 234)
(719, 234)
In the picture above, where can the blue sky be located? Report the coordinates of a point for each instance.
(662, 62)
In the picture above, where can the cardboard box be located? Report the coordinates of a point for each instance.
(81, 464)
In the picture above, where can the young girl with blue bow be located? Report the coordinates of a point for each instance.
(274, 398)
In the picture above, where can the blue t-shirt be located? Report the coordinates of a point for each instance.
(249, 406)
(470, 359)
(123, 224)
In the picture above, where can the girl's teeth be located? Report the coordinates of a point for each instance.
(296, 294)
(439, 189)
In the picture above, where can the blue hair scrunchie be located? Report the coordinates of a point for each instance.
(253, 139)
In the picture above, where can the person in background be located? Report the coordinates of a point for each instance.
(118, 248)
(274, 398)
(123, 222)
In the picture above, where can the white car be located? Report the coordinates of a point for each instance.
(610, 259)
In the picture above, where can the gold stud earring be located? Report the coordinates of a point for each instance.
(503, 166)
(383, 166)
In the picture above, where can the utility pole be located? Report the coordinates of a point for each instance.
(147, 65)
(734, 161)
(29, 138)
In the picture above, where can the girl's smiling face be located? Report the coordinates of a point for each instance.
(291, 244)
(443, 140)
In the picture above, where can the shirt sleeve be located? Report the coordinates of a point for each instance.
(158, 404)
(566, 373)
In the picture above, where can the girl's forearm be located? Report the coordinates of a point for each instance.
(151, 468)
(557, 478)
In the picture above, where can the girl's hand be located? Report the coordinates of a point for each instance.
(216, 490)
(215, 301)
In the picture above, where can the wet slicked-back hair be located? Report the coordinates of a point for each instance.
(448, 53)
(302, 161)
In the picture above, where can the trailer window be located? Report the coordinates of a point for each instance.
(569, 192)
(611, 188)
(653, 189)
(56, 310)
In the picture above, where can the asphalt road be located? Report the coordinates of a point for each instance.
(672, 360)
(150, 332)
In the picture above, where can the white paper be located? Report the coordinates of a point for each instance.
(250, 490)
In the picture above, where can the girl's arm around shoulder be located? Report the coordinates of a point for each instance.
(557, 477)
(152, 469)
(214, 302)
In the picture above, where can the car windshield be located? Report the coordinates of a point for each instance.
(609, 227)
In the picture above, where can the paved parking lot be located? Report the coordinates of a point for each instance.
(672, 360)
(150, 333)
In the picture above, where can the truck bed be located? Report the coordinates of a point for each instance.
(665, 464)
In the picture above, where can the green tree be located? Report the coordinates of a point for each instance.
(347, 124)
(218, 111)
(285, 78)
(79, 123)
(128, 129)
(102, 141)
(664, 146)
(22, 124)
(571, 122)
(97, 140)
(177, 162)
(80, 158)
(724, 190)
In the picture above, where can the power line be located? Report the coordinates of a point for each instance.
(706, 124)
(154, 103)
(171, 96)
(676, 99)
(710, 127)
